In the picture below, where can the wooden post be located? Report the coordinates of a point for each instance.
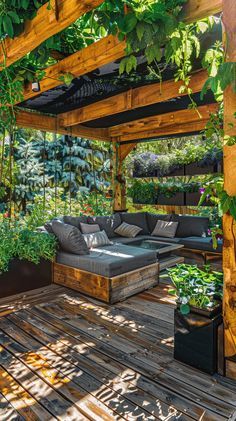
(229, 224)
(118, 178)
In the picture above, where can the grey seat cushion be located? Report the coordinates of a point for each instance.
(191, 226)
(201, 243)
(139, 219)
(107, 223)
(75, 220)
(152, 219)
(109, 261)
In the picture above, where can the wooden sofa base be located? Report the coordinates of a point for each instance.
(109, 290)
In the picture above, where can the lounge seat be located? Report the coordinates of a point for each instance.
(109, 261)
(201, 243)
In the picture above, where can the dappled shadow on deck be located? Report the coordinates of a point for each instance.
(71, 357)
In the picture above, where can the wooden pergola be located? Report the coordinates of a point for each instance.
(123, 136)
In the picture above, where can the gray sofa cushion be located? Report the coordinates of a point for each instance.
(191, 226)
(75, 220)
(200, 243)
(127, 230)
(88, 228)
(96, 239)
(139, 219)
(48, 225)
(109, 261)
(152, 219)
(70, 238)
(106, 223)
(165, 229)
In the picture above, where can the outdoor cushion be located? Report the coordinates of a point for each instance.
(191, 226)
(152, 219)
(48, 225)
(201, 243)
(96, 239)
(165, 229)
(106, 223)
(127, 230)
(89, 228)
(75, 220)
(109, 261)
(139, 219)
(70, 238)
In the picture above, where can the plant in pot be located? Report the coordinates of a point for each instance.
(198, 315)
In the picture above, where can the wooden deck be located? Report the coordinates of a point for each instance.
(64, 356)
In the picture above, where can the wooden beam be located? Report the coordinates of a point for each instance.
(162, 121)
(171, 130)
(195, 10)
(84, 61)
(126, 149)
(229, 223)
(51, 124)
(131, 99)
(46, 24)
(118, 178)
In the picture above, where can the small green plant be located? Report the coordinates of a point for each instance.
(195, 287)
(18, 241)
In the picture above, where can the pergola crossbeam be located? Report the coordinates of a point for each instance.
(132, 99)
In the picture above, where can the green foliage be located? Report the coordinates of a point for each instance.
(195, 287)
(18, 241)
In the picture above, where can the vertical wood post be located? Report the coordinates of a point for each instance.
(229, 224)
(118, 178)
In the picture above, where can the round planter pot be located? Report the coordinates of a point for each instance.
(196, 338)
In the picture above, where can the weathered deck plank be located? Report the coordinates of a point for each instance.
(66, 356)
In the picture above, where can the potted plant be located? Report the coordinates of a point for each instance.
(197, 316)
(25, 258)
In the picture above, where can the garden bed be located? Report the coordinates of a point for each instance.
(23, 276)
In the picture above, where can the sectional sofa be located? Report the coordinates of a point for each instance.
(117, 270)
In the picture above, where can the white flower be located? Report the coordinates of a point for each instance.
(184, 300)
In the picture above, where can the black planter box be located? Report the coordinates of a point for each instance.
(177, 199)
(24, 275)
(140, 201)
(177, 172)
(192, 199)
(196, 338)
(194, 169)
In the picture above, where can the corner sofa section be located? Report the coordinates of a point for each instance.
(114, 272)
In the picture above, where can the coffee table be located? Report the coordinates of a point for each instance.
(164, 250)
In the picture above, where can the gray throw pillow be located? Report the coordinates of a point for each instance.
(97, 239)
(107, 223)
(165, 229)
(48, 225)
(75, 220)
(127, 230)
(152, 219)
(70, 238)
(89, 228)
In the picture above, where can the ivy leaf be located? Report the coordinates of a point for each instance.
(25, 4)
(153, 52)
(8, 27)
(202, 26)
(14, 17)
(128, 23)
(140, 28)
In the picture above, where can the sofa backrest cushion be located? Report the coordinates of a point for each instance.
(152, 219)
(70, 238)
(107, 223)
(139, 219)
(88, 228)
(75, 220)
(191, 226)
